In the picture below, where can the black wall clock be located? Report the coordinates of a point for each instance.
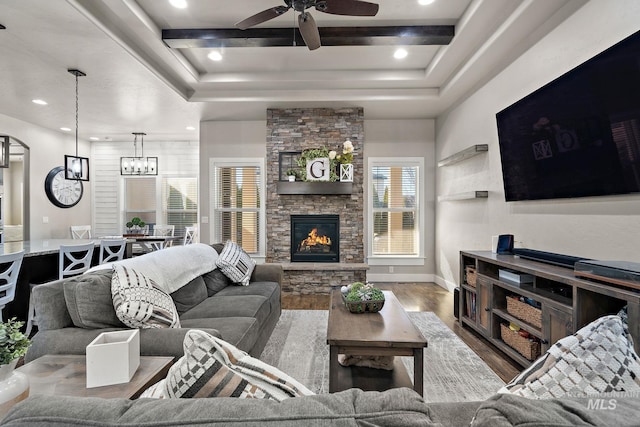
(64, 193)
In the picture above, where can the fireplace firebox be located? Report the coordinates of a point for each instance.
(315, 238)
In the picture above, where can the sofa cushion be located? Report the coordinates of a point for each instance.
(242, 332)
(215, 281)
(599, 358)
(89, 301)
(139, 302)
(212, 367)
(190, 295)
(254, 306)
(235, 263)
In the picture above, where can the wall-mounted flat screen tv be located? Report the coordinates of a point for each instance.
(579, 135)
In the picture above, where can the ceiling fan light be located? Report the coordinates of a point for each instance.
(400, 53)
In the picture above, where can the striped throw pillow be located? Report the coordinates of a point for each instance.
(212, 367)
(235, 263)
(139, 302)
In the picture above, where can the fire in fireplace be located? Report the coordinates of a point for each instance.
(315, 238)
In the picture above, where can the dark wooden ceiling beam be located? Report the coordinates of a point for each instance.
(330, 36)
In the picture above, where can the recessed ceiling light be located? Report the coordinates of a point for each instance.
(215, 56)
(190, 128)
(425, 2)
(66, 129)
(39, 102)
(179, 4)
(94, 138)
(400, 53)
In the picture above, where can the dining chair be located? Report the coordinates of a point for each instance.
(80, 231)
(73, 260)
(112, 250)
(163, 231)
(9, 269)
(190, 235)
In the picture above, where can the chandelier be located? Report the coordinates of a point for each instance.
(75, 167)
(138, 165)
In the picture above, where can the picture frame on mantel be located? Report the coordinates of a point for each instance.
(287, 160)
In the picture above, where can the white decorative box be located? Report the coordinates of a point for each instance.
(514, 276)
(113, 358)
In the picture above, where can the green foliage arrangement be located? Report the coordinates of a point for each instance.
(13, 343)
(364, 292)
(317, 153)
(135, 222)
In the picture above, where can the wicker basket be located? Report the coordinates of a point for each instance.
(363, 306)
(529, 349)
(472, 276)
(524, 312)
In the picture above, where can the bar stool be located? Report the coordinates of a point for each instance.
(112, 250)
(9, 277)
(73, 260)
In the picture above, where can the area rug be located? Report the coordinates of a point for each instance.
(452, 371)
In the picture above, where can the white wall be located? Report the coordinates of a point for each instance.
(599, 228)
(225, 139)
(405, 138)
(47, 150)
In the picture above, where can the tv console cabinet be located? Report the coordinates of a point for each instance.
(563, 303)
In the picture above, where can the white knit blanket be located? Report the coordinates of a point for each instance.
(173, 267)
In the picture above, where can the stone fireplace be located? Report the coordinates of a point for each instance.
(315, 238)
(298, 129)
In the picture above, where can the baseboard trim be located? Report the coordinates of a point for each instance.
(450, 286)
(400, 278)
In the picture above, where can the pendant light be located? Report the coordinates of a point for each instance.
(75, 167)
(138, 165)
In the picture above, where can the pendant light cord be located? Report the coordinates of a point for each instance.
(76, 115)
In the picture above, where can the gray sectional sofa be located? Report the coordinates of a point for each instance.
(397, 408)
(73, 311)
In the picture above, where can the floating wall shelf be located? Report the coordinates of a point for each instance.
(303, 187)
(465, 154)
(464, 196)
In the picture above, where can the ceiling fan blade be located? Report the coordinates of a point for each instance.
(309, 30)
(261, 17)
(347, 7)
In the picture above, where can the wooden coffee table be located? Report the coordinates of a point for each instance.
(66, 375)
(388, 332)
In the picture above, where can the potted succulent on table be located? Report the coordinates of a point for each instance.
(14, 386)
(360, 297)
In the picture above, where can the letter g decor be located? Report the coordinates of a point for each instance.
(318, 169)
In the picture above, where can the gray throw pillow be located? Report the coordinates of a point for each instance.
(190, 295)
(89, 301)
(215, 281)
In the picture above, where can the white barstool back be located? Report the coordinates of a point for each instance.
(80, 231)
(163, 231)
(75, 259)
(190, 235)
(9, 277)
(112, 250)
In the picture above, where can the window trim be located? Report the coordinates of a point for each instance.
(236, 162)
(418, 259)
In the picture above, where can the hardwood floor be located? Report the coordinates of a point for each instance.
(424, 297)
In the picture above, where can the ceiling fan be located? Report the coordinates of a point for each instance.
(306, 23)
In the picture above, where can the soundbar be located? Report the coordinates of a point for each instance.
(547, 257)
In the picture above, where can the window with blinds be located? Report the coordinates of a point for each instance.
(180, 202)
(394, 208)
(140, 199)
(174, 203)
(238, 205)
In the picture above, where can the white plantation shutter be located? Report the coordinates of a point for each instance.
(394, 208)
(238, 205)
(180, 202)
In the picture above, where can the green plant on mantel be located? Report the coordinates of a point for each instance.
(316, 153)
